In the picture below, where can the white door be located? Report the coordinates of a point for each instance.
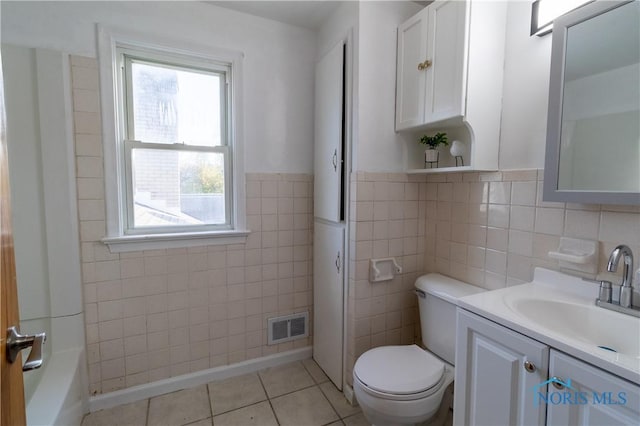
(328, 278)
(445, 50)
(329, 107)
(493, 385)
(599, 398)
(410, 78)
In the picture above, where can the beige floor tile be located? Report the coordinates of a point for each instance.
(254, 415)
(357, 420)
(338, 423)
(307, 407)
(315, 371)
(133, 414)
(285, 378)
(180, 408)
(235, 392)
(338, 401)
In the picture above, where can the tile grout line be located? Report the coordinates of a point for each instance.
(330, 404)
(275, 415)
(146, 420)
(210, 402)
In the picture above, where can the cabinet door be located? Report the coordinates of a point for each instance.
(328, 291)
(446, 51)
(410, 81)
(595, 397)
(329, 134)
(492, 385)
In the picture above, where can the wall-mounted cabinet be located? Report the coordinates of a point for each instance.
(450, 66)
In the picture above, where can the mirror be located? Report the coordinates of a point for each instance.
(593, 133)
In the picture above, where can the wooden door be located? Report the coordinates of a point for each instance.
(445, 50)
(492, 384)
(329, 131)
(328, 279)
(410, 80)
(12, 412)
(598, 397)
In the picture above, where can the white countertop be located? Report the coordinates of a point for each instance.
(556, 289)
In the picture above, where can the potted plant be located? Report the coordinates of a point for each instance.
(431, 154)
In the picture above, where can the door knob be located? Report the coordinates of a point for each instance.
(17, 342)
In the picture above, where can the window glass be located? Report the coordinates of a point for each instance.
(173, 105)
(177, 188)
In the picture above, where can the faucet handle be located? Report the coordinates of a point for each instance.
(605, 289)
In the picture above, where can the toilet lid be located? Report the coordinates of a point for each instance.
(399, 370)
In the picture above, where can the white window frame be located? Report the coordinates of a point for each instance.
(118, 198)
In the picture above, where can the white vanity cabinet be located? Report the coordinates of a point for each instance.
(449, 75)
(598, 397)
(496, 373)
(506, 378)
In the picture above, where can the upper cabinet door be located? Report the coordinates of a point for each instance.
(329, 132)
(446, 52)
(410, 74)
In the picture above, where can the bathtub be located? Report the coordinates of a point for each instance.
(59, 396)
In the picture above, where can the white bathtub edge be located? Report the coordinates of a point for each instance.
(172, 384)
(58, 399)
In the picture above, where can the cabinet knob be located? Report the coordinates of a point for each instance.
(424, 65)
(558, 382)
(529, 366)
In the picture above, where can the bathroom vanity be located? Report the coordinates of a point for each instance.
(543, 353)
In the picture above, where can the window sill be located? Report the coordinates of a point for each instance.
(130, 243)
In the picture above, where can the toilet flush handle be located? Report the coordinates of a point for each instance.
(421, 294)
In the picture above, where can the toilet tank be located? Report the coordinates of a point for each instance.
(437, 296)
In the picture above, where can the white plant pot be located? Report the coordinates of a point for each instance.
(431, 155)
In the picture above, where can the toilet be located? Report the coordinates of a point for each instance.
(404, 385)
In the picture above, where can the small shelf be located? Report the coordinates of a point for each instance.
(441, 170)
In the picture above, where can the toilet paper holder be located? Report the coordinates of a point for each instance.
(383, 269)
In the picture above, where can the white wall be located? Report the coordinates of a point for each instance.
(379, 147)
(25, 173)
(278, 66)
(525, 92)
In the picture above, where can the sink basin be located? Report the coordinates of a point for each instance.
(592, 325)
(559, 311)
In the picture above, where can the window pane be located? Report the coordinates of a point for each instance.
(177, 188)
(175, 106)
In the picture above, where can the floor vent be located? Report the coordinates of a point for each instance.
(288, 327)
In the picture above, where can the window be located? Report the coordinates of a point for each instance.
(175, 144)
(174, 175)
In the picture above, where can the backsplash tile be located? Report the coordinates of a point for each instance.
(488, 229)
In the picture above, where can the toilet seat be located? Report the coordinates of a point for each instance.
(399, 372)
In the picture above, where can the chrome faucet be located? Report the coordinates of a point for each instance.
(626, 289)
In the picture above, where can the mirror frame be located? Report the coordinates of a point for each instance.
(554, 117)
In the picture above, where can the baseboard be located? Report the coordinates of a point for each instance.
(349, 395)
(172, 384)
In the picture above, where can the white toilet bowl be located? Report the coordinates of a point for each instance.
(404, 385)
(400, 385)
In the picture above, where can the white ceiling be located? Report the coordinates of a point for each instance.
(306, 14)
(302, 13)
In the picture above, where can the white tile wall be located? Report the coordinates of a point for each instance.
(155, 314)
(488, 229)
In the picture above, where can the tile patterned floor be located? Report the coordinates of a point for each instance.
(296, 394)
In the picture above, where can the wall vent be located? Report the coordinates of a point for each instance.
(288, 327)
